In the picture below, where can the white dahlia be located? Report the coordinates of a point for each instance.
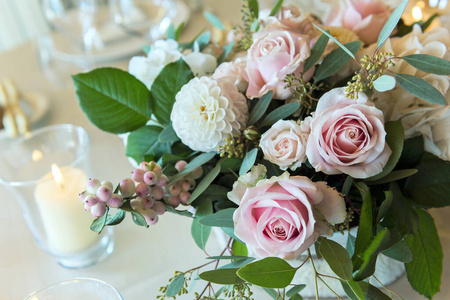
(206, 111)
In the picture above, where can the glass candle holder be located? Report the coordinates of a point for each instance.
(46, 170)
(78, 288)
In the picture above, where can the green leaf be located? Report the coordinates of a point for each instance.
(239, 248)
(249, 161)
(260, 108)
(391, 23)
(369, 257)
(353, 290)
(280, 113)
(99, 223)
(238, 263)
(183, 213)
(400, 252)
(270, 272)
(413, 150)
(296, 297)
(425, 270)
(394, 138)
(203, 40)
(237, 257)
(221, 276)
(166, 86)
(138, 219)
(222, 218)
(226, 51)
(350, 246)
(295, 290)
(178, 31)
(213, 20)
(334, 61)
(384, 83)
(117, 218)
(316, 52)
(175, 286)
(272, 293)
(230, 232)
(168, 135)
(394, 176)
(200, 233)
(113, 100)
(146, 49)
(385, 206)
(372, 293)
(170, 35)
(365, 231)
(276, 8)
(342, 47)
(401, 213)
(428, 63)
(430, 187)
(347, 185)
(254, 8)
(231, 165)
(337, 258)
(196, 162)
(143, 144)
(205, 183)
(420, 88)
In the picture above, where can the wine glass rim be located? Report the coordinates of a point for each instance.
(75, 128)
(74, 280)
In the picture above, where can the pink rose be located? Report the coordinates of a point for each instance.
(274, 54)
(284, 144)
(347, 136)
(277, 217)
(290, 16)
(365, 17)
(232, 71)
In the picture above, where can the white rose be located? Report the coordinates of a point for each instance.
(146, 69)
(206, 111)
(284, 144)
(233, 71)
(249, 179)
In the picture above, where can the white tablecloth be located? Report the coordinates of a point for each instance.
(143, 259)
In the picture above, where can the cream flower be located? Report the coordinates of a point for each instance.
(207, 111)
(418, 116)
(146, 69)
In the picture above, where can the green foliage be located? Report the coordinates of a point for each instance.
(222, 218)
(276, 8)
(260, 108)
(166, 85)
(384, 83)
(238, 263)
(428, 63)
(143, 144)
(138, 219)
(316, 52)
(280, 113)
(345, 48)
(270, 272)
(400, 252)
(168, 135)
(200, 233)
(196, 162)
(117, 218)
(213, 20)
(420, 88)
(391, 23)
(221, 276)
(205, 183)
(337, 258)
(99, 223)
(249, 161)
(425, 270)
(175, 286)
(334, 61)
(295, 290)
(113, 100)
(239, 248)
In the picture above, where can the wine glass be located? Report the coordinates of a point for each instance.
(144, 18)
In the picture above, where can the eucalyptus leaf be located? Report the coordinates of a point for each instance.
(203, 40)
(276, 8)
(205, 183)
(239, 248)
(237, 257)
(146, 49)
(316, 52)
(391, 23)
(296, 297)
(213, 20)
(420, 88)
(400, 252)
(334, 61)
(394, 138)
(168, 135)
(113, 100)
(143, 144)
(226, 51)
(270, 272)
(260, 108)
(249, 161)
(280, 113)
(425, 270)
(200, 233)
(183, 213)
(175, 286)
(238, 263)
(222, 218)
(347, 185)
(342, 47)
(231, 165)
(272, 293)
(371, 292)
(337, 258)
(170, 34)
(385, 206)
(394, 176)
(384, 83)
(221, 276)
(295, 290)
(353, 290)
(166, 85)
(428, 63)
(350, 246)
(254, 8)
(178, 31)
(230, 232)
(365, 231)
(196, 162)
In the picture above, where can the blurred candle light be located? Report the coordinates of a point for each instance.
(417, 13)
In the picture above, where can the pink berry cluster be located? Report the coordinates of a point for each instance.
(147, 190)
(98, 195)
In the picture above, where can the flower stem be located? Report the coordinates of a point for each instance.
(315, 274)
(388, 290)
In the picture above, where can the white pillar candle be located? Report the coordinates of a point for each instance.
(65, 221)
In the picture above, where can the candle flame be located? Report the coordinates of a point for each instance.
(57, 175)
(417, 13)
(36, 155)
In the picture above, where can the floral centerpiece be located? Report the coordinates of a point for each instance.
(281, 132)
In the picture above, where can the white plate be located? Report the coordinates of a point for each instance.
(123, 47)
(34, 106)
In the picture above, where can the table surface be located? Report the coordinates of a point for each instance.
(143, 259)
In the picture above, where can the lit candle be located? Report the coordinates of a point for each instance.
(65, 221)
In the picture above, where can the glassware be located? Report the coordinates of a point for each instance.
(46, 170)
(78, 288)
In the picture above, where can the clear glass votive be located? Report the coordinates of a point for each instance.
(45, 170)
(78, 288)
